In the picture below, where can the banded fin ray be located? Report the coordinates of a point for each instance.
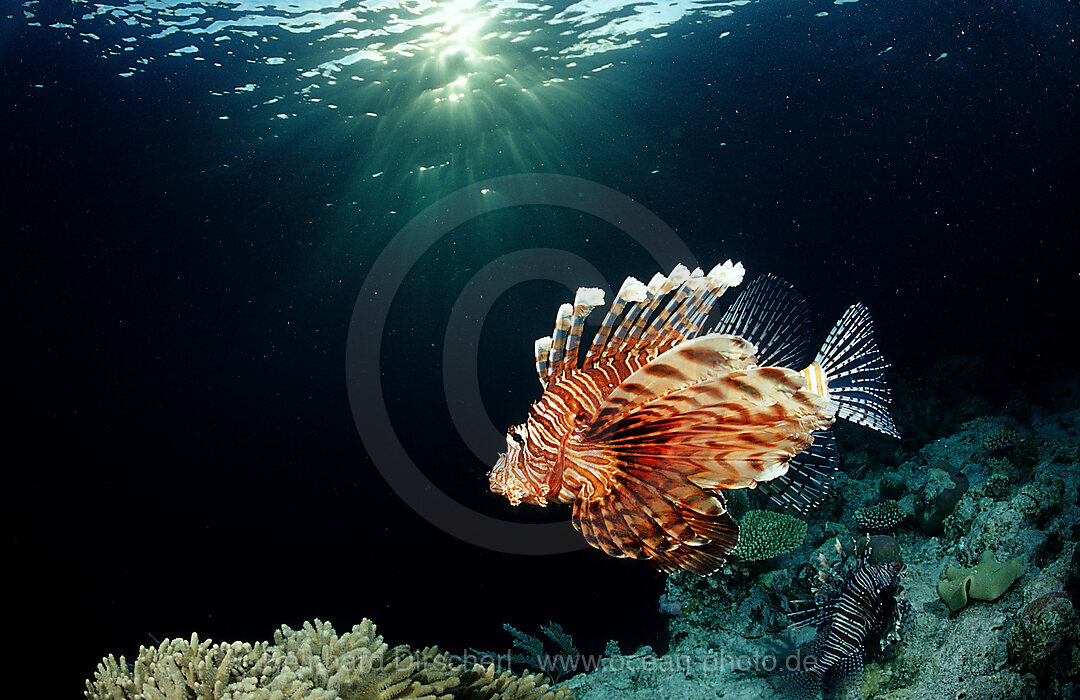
(775, 318)
(692, 362)
(641, 319)
(855, 371)
(637, 519)
(733, 431)
(809, 474)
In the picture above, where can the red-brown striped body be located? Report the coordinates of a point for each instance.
(537, 468)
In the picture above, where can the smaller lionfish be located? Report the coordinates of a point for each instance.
(645, 430)
(860, 616)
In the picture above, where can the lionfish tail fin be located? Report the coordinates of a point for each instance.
(854, 372)
(775, 318)
(657, 516)
(806, 482)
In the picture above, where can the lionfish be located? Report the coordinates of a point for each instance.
(645, 430)
(861, 615)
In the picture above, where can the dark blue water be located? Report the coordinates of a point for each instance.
(180, 285)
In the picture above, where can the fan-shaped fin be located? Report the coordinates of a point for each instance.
(806, 482)
(732, 431)
(689, 363)
(638, 519)
(855, 372)
(770, 314)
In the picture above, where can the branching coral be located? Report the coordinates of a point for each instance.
(765, 534)
(313, 663)
(359, 665)
(488, 683)
(179, 669)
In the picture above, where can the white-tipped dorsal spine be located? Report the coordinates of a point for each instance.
(668, 309)
(586, 299)
(624, 329)
(557, 355)
(632, 292)
(659, 286)
(680, 282)
(728, 274)
(541, 349)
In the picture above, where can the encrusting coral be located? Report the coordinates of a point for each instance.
(766, 534)
(313, 663)
(986, 581)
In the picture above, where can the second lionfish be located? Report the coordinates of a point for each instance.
(644, 431)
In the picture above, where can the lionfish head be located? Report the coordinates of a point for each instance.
(509, 477)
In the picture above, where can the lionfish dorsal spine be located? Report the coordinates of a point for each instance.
(542, 350)
(557, 354)
(668, 310)
(673, 309)
(633, 291)
(671, 321)
(586, 299)
(628, 333)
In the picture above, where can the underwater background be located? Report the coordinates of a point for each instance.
(196, 194)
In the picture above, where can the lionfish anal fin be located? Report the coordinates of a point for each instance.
(809, 474)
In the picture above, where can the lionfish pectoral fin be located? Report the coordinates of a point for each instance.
(690, 363)
(842, 677)
(770, 314)
(637, 519)
(855, 372)
(731, 432)
(809, 474)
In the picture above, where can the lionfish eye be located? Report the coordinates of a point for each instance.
(517, 438)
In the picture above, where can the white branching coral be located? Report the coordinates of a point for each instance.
(312, 663)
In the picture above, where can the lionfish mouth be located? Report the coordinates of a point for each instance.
(504, 483)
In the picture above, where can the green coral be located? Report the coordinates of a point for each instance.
(986, 581)
(1001, 439)
(764, 534)
(883, 517)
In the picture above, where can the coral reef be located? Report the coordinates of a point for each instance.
(1041, 631)
(766, 534)
(986, 581)
(986, 490)
(314, 663)
(489, 683)
(883, 517)
(1007, 484)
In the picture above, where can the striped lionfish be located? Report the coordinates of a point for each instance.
(862, 615)
(644, 432)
